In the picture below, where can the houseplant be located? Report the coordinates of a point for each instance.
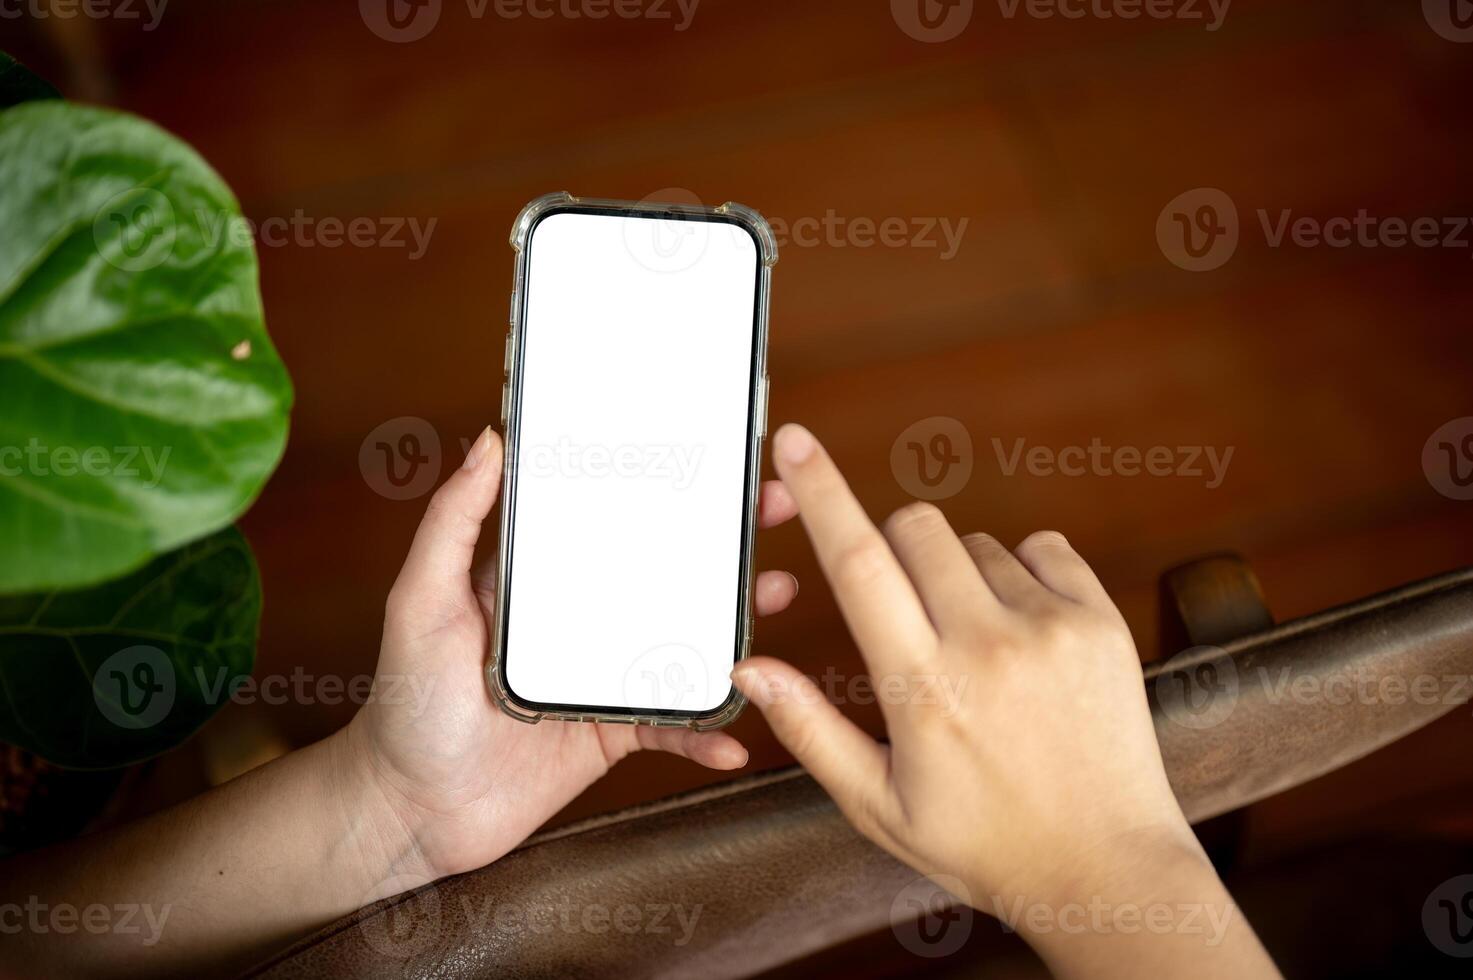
(144, 407)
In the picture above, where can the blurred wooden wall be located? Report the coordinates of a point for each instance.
(1058, 320)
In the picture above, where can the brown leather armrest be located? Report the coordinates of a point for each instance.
(769, 872)
(1313, 694)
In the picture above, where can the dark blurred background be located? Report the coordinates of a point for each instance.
(1053, 149)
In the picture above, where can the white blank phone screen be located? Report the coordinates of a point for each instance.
(631, 460)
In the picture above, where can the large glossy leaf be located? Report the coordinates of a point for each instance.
(109, 675)
(142, 405)
(18, 85)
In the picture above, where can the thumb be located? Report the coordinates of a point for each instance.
(439, 561)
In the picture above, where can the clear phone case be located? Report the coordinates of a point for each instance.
(521, 233)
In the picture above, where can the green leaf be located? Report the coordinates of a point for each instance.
(18, 85)
(143, 403)
(110, 675)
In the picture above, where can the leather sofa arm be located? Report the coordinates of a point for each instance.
(736, 879)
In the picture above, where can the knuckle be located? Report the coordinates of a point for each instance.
(1005, 645)
(1106, 625)
(1044, 541)
(984, 546)
(927, 717)
(860, 564)
(1054, 628)
(916, 516)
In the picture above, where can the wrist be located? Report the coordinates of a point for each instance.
(1128, 863)
(374, 819)
(1134, 862)
(1150, 883)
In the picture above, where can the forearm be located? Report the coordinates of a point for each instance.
(219, 880)
(1159, 912)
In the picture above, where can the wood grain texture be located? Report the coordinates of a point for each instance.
(1057, 321)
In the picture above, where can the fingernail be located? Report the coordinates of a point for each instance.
(796, 584)
(794, 444)
(478, 451)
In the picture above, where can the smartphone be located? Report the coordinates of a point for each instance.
(635, 408)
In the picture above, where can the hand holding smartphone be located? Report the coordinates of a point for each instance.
(635, 410)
